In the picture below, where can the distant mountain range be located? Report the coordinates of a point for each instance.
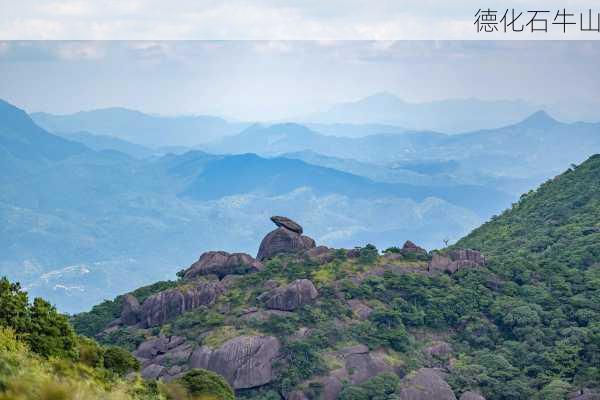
(534, 147)
(144, 129)
(80, 225)
(450, 116)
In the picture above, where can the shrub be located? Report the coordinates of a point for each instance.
(120, 361)
(204, 384)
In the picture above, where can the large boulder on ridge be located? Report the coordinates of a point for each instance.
(287, 238)
(221, 263)
(166, 305)
(245, 361)
(426, 384)
(456, 260)
(130, 311)
(292, 296)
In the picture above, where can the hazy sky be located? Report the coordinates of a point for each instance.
(267, 80)
(260, 19)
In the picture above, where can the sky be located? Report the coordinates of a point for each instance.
(272, 80)
(261, 19)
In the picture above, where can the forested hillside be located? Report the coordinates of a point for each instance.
(510, 312)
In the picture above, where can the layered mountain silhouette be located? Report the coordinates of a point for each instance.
(140, 128)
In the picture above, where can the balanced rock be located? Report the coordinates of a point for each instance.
(456, 260)
(292, 296)
(287, 238)
(471, 396)
(244, 361)
(166, 305)
(287, 223)
(130, 311)
(221, 263)
(426, 384)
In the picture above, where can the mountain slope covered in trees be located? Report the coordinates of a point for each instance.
(509, 312)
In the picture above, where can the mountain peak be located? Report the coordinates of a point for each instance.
(539, 119)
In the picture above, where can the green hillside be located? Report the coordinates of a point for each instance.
(320, 323)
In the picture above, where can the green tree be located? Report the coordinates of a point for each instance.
(120, 361)
(204, 384)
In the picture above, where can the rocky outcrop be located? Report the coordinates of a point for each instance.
(360, 309)
(164, 357)
(438, 350)
(285, 222)
(585, 394)
(244, 361)
(130, 311)
(471, 396)
(426, 384)
(320, 255)
(358, 365)
(292, 296)
(287, 238)
(221, 263)
(409, 247)
(456, 260)
(164, 306)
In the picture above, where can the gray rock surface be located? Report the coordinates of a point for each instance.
(287, 223)
(221, 263)
(410, 247)
(426, 384)
(320, 255)
(471, 396)
(166, 305)
(585, 394)
(456, 260)
(287, 238)
(360, 309)
(292, 296)
(244, 361)
(130, 311)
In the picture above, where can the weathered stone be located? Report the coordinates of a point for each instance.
(221, 263)
(585, 394)
(471, 396)
(154, 347)
(152, 371)
(265, 315)
(410, 247)
(456, 260)
(353, 253)
(287, 223)
(362, 366)
(320, 255)
(426, 384)
(439, 349)
(282, 241)
(360, 309)
(292, 296)
(166, 305)
(130, 311)
(244, 361)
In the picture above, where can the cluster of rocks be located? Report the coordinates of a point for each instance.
(357, 365)
(244, 361)
(248, 361)
(456, 260)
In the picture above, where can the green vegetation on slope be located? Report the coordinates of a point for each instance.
(526, 326)
(41, 357)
